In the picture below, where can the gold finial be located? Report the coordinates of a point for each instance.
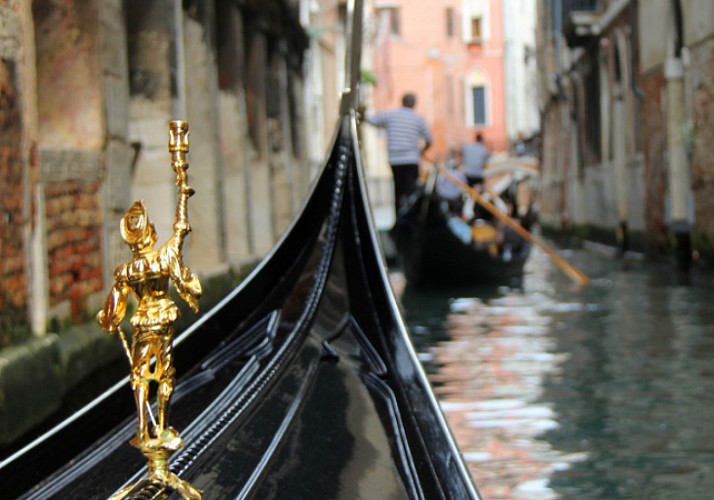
(178, 136)
(178, 141)
(147, 276)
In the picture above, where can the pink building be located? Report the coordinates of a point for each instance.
(484, 71)
(419, 49)
(450, 54)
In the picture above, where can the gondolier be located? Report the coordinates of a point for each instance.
(408, 137)
(475, 156)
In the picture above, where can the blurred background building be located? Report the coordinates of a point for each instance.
(625, 92)
(471, 64)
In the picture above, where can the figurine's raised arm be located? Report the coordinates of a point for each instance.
(178, 147)
(187, 283)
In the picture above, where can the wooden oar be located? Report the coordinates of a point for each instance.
(575, 274)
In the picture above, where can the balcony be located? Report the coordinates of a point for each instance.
(578, 19)
(579, 5)
(582, 20)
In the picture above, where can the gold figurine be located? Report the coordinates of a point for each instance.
(147, 277)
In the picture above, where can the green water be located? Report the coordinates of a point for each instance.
(605, 392)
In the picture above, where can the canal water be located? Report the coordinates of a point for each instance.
(605, 392)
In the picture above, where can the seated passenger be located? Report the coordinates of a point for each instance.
(450, 192)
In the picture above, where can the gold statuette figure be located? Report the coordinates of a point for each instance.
(147, 276)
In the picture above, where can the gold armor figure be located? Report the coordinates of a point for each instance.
(147, 277)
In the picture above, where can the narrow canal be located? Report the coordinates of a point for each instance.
(553, 392)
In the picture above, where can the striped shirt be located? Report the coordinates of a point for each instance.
(405, 132)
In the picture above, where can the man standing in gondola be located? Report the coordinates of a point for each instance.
(408, 136)
(475, 156)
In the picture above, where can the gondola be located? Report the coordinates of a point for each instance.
(438, 246)
(302, 383)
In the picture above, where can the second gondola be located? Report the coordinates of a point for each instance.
(439, 245)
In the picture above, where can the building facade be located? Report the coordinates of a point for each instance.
(623, 97)
(484, 31)
(471, 64)
(418, 48)
(520, 69)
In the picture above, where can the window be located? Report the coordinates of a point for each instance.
(476, 28)
(390, 16)
(476, 92)
(478, 95)
(450, 32)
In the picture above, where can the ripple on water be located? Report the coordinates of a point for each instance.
(557, 392)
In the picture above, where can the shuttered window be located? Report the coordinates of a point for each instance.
(478, 95)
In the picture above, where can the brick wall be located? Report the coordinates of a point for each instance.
(13, 265)
(73, 219)
(655, 165)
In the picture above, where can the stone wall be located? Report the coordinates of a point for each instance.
(618, 72)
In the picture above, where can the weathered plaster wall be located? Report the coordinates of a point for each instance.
(151, 44)
(69, 105)
(655, 144)
(206, 243)
(654, 17)
(702, 138)
(233, 134)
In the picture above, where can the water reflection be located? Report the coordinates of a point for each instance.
(554, 392)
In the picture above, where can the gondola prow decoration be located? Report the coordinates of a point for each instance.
(147, 276)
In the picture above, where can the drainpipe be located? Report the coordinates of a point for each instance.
(579, 198)
(679, 179)
(559, 210)
(39, 312)
(620, 167)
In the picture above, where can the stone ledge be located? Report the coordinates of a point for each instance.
(31, 385)
(83, 350)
